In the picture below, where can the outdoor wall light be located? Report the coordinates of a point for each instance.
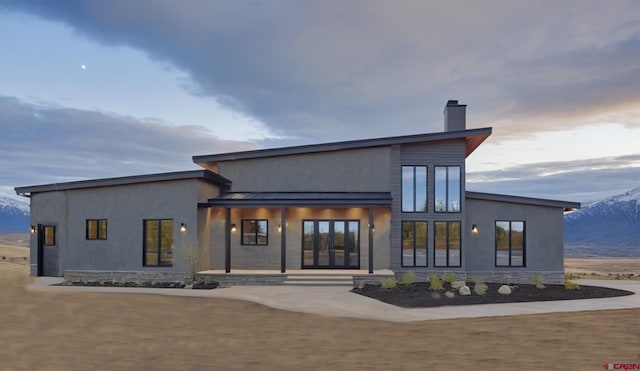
(474, 229)
(279, 228)
(233, 227)
(33, 229)
(183, 227)
(372, 227)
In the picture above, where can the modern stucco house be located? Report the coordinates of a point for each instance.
(395, 203)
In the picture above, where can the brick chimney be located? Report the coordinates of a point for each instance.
(455, 116)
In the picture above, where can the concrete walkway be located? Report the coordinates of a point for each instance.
(339, 302)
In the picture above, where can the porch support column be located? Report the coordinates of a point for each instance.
(283, 240)
(227, 241)
(371, 227)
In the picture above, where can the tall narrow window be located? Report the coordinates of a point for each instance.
(447, 244)
(158, 242)
(96, 229)
(414, 189)
(510, 244)
(447, 189)
(49, 235)
(414, 244)
(255, 232)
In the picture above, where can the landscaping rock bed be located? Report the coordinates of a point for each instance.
(418, 294)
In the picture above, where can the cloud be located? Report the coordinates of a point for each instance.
(42, 144)
(350, 69)
(581, 180)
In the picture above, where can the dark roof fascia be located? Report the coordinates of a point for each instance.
(136, 179)
(377, 199)
(566, 205)
(481, 134)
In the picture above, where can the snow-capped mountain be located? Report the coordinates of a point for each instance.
(14, 215)
(609, 227)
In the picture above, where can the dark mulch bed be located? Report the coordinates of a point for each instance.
(418, 295)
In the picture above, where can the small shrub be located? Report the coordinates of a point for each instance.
(434, 282)
(408, 278)
(538, 281)
(480, 288)
(388, 283)
(469, 279)
(449, 278)
(571, 285)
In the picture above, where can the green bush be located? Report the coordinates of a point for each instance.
(480, 288)
(434, 282)
(538, 281)
(469, 279)
(571, 285)
(408, 278)
(449, 278)
(388, 283)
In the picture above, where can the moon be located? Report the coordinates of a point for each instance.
(84, 67)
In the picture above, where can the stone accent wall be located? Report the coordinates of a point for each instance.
(241, 279)
(134, 277)
(528, 277)
(370, 279)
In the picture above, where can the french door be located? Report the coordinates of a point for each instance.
(331, 244)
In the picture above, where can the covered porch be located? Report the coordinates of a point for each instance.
(291, 232)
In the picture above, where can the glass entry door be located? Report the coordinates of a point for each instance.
(331, 244)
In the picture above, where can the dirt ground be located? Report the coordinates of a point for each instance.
(603, 268)
(69, 331)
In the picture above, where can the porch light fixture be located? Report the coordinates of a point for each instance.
(233, 227)
(474, 229)
(33, 229)
(279, 228)
(183, 227)
(372, 227)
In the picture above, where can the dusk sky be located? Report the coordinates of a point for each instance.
(94, 89)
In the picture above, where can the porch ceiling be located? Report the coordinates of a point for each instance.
(300, 199)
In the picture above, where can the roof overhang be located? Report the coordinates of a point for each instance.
(300, 199)
(473, 138)
(565, 205)
(136, 179)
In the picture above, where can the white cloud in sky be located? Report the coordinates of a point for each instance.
(555, 80)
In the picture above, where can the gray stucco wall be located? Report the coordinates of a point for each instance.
(125, 207)
(544, 240)
(357, 170)
(48, 209)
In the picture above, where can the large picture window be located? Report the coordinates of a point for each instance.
(158, 242)
(414, 244)
(96, 229)
(255, 232)
(447, 244)
(447, 189)
(414, 189)
(510, 244)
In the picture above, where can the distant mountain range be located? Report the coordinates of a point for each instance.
(608, 228)
(14, 215)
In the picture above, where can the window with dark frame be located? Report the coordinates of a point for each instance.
(255, 232)
(158, 243)
(49, 237)
(414, 189)
(96, 229)
(447, 248)
(414, 243)
(448, 185)
(510, 243)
